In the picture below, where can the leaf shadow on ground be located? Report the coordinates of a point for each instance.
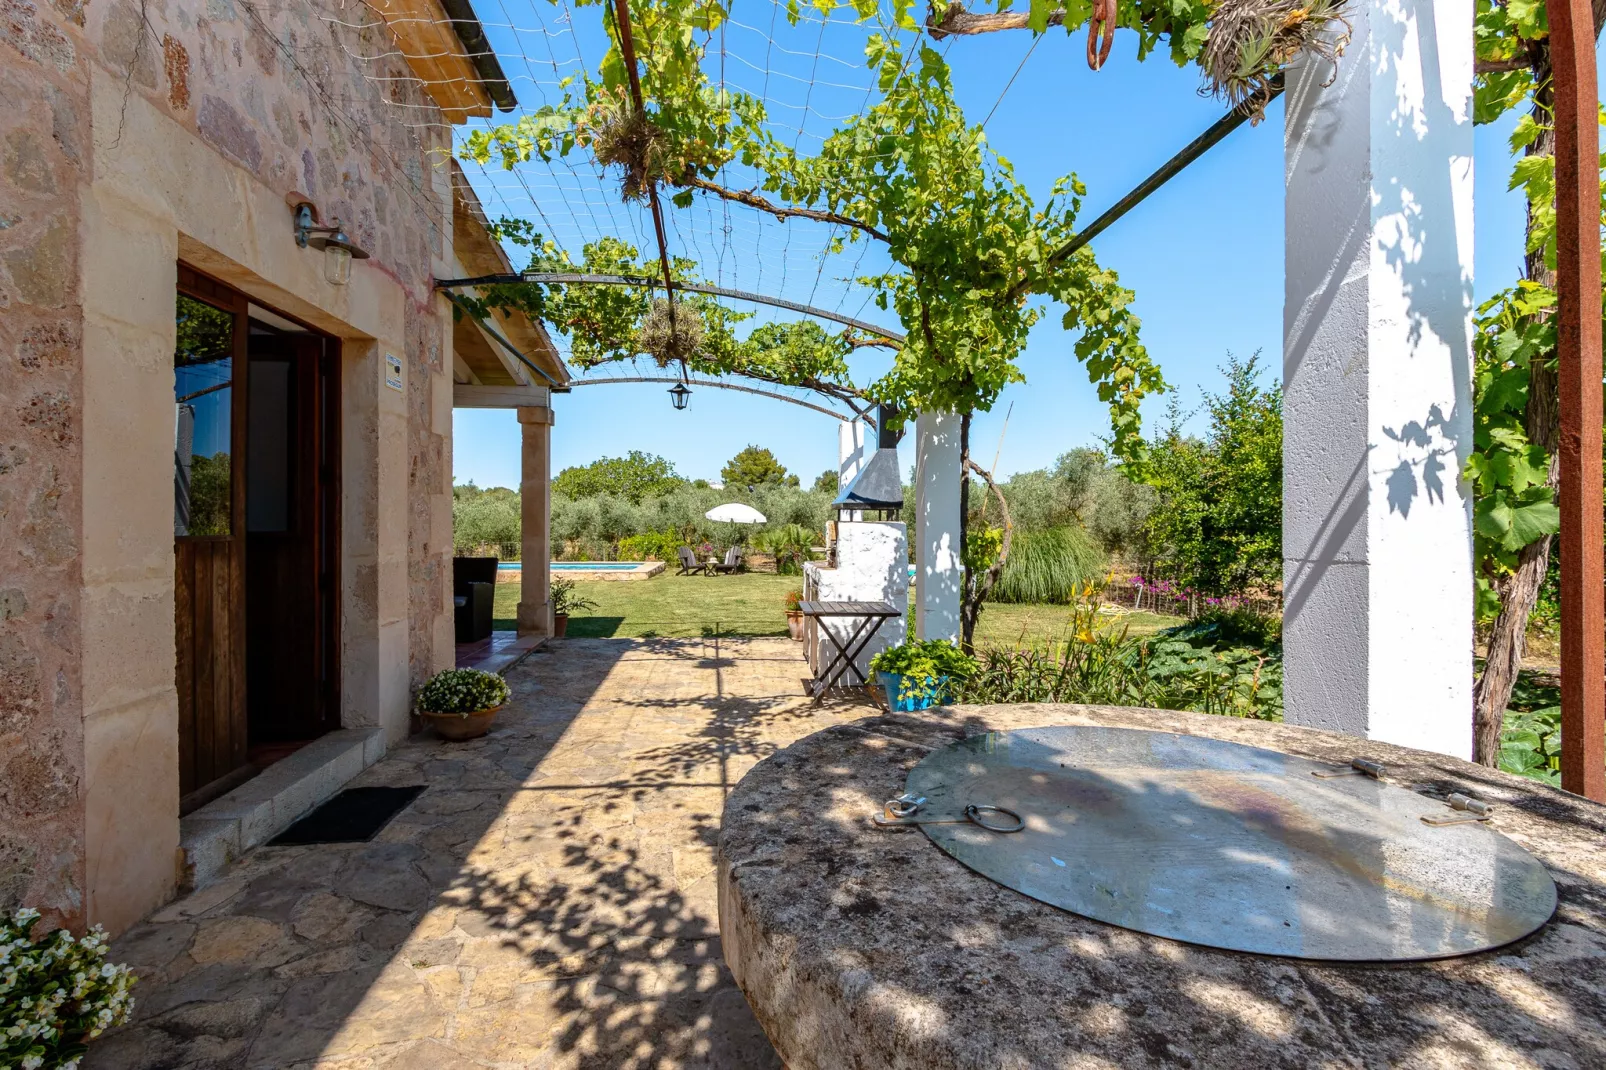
(550, 897)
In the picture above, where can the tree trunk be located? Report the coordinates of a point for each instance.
(1519, 591)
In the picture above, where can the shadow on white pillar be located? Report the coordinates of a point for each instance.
(855, 443)
(937, 560)
(1377, 365)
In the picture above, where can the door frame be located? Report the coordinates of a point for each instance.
(327, 537)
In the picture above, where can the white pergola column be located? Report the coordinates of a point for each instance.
(937, 525)
(535, 499)
(854, 443)
(1377, 367)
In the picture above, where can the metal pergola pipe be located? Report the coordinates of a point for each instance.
(1165, 173)
(563, 278)
(713, 383)
(468, 310)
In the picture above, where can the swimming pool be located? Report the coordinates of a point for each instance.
(579, 566)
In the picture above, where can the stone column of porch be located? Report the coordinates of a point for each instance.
(1377, 372)
(535, 496)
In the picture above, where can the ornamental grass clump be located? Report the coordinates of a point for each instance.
(56, 994)
(670, 339)
(463, 691)
(1251, 41)
(621, 136)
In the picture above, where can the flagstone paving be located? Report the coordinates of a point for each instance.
(548, 902)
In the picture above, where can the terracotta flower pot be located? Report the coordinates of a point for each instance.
(794, 623)
(560, 624)
(461, 726)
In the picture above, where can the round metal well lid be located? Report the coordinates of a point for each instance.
(1229, 846)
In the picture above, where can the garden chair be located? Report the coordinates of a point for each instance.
(689, 563)
(733, 562)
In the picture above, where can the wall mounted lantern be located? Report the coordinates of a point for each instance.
(338, 249)
(679, 395)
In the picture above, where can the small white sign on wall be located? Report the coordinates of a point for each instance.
(393, 371)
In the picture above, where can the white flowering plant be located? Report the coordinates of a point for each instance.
(463, 691)
(56, 994)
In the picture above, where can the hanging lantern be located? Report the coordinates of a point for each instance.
(679, 395)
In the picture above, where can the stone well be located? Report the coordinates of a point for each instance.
(859, 947)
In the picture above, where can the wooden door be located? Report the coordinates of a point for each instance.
(210, 373)
(292, 510)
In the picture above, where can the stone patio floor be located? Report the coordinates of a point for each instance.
(548, 902)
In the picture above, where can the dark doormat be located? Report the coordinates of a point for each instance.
(354, 816)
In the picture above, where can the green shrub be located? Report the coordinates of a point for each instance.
(1103, 666)
(650, 546)
(922, 658)
(792, 544)
(462, 691)
(1530, 744)
(1530, 738)
(1230, 626)
(485, 517)
(1048, 566)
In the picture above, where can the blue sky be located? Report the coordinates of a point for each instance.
(1204, 254)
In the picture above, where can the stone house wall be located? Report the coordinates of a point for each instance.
(135, 135)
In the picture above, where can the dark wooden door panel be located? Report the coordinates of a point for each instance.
(209, 618)
(291, 637)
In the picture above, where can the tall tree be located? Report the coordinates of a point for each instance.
(636, 476)
(756, 467)
(1219, 519)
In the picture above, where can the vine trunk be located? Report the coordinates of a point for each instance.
(1519, 591)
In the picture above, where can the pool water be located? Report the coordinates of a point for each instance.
(579, 566)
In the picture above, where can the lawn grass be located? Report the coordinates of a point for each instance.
(751, 604)
(669, 605)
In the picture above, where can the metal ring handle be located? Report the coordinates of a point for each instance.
(904, 805)
(974, 813)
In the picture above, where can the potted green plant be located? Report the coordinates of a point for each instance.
(565, 600)
(462, 703)
(57, 993)
(794, 615)
(918, 673)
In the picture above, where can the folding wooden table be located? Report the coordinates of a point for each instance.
(871, 616)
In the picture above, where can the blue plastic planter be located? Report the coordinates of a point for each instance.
(933, 693)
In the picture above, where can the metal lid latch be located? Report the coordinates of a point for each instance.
(1357, 767)
(1468, 810)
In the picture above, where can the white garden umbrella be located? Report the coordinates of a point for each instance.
(735, 513)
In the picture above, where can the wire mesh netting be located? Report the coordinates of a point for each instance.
(809, 70)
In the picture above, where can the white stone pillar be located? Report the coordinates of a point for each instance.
(1377, 362)
(937, 525)
(535, 499)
